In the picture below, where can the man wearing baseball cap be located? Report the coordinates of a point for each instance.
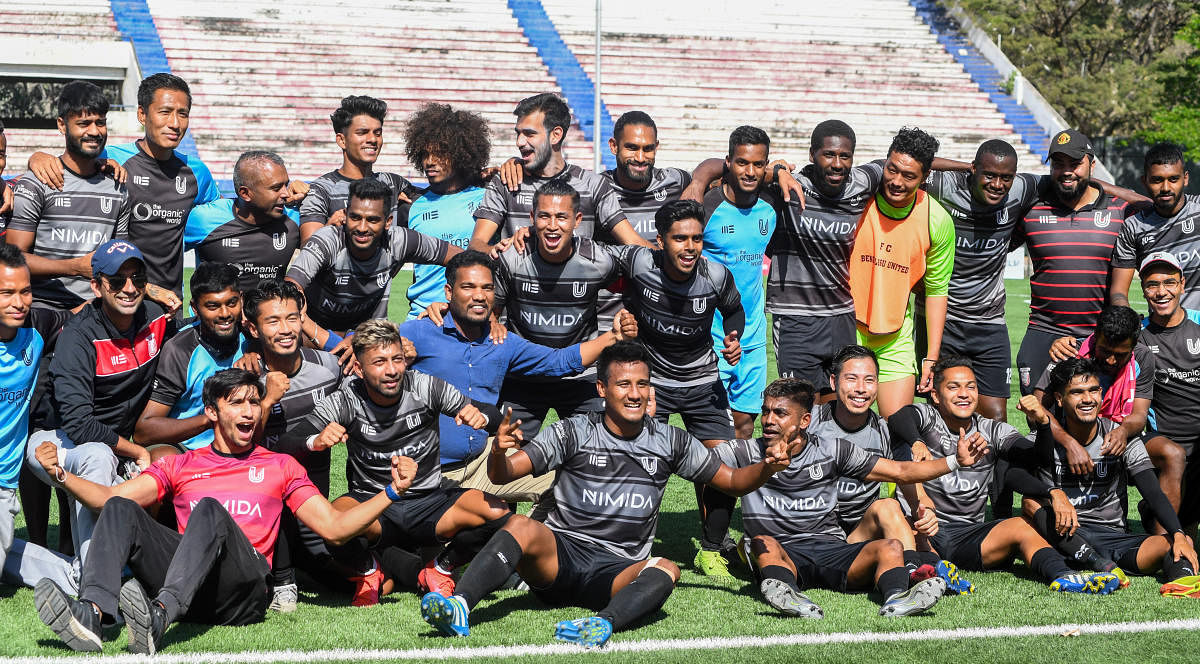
(100, 378)
(1069, 234)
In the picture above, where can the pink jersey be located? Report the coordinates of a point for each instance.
(253, 488)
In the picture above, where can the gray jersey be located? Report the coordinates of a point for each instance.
(961, 496)
(343, 291)
(801, 500)
(854, 495)
(1147, 232)
(553, 304)
(666, 184)
(318, 376)
(1099, 496)
(68, 224)
(608, 489)
(331, 192)
(377, 433)
(983, 232)
(810, 250)
(597, 201)
(675, 318)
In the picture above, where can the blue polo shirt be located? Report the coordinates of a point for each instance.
(477, 368)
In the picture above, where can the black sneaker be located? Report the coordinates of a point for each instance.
(76, 623)
(146, 619)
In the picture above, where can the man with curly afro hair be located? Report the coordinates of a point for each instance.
(451, 147)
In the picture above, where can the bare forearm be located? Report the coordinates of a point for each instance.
(741, 481)
(159, 430)
(357, 519)
(935, 323)
(40, 266)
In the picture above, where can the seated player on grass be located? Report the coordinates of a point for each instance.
(594, 548)
(965, 536)
(1099, 496)
(792, 519)
(227, 498)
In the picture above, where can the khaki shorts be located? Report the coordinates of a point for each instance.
(474, 475)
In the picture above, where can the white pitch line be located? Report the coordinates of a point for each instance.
(648, 645)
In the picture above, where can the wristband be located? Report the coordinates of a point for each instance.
(331, 342)
(60, 475)
(391, 493)
(952, 463)
(778, 167)
(310, 443)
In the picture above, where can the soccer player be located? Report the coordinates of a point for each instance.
(1099, 496)
(964, 536)
(793, 518)
(905, 239)
(255, 231)
(1069, 234)
(451, 148)
(100, 378)
(358, 131)
(594, 548)
(227, 499)
(59, 230)
(346, 272)
(1166, 226)
(173, 420)
(641, 187)
(548, 292)
(386, 410)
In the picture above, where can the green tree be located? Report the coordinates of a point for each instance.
(1178, 119)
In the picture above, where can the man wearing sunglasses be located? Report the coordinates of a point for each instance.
(100, 378)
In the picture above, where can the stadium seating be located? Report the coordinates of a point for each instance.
(700, 71)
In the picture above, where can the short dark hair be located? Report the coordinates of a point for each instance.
(747, 135)
(947, 363)
(829, 129)
(999, 149)
(677, 210)
(1068, 370)
(847, 353)
(468, 258)
(356, 105)
(10, 255)
(1162, 153)
(555, 111)
(798, 390)
(249, 157)
(213, 278)
(1118, 323)
(270, 289)
(634, 118)
(160, 81)
(456, 134)
(1, 126)
(225, 382)
(371, 189)
(80, 97)
(558, 187)
(622, 352)
(916, 144)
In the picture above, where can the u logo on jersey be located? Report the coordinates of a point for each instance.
(660, 195)
(699, 305)
(578, 289)
(27, 357)
(1193, 346)
(762, 226)
(180, 185)
(816, 472)
(381, 279)
(106, 205)
(257, 475)
(1102, 469)
(649, 463)
(413, 421)
(1188, 225)
(1103, 219)
(279, 241)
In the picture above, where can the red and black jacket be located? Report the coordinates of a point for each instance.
(100, 379)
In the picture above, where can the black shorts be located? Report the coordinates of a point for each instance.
(1034, 356)
(1111, 542)
(804, 345)
(585, 574)
(704, 409)
(530, 400)
(985, 345)
(822, 562)
(962, 543)
(1189, 503)
(413, 521)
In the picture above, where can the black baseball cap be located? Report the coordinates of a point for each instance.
(1072, 143)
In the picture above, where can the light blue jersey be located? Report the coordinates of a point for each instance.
(737, 238)
(187, 360)
(19, 361)
(451, 218)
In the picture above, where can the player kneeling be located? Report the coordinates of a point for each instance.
(792, 518)
(594, 548)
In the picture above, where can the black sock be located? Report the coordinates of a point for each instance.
(1073, 547)
(467, 542)
(716, 510)
(400, 565)
(891, 582)
(779, 573)
(645, 595)
(490, 569)
(1129, 561)
(1049, 564)
(1174, 569)
(914, 559)
(35, 505)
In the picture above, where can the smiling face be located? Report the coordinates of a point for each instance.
(534, 143)
(682, 246)
(635, 149)
(856, 384)
(626, 391)
(1070, 176)
(381, 369)
(277, 326)
(1165, 184)
(957, 394)
(16, 296)
(236, 417)
(363, 139)
(992, 178)
(266, 189)
(747, 167)
(554, 223)
(86, 133)
(166, 119)
(1080, 400)
(902, 176)
(1162, 286)
(365, 222)
(121, 294)
(472, 294)
(219, 313)
(832, 163)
